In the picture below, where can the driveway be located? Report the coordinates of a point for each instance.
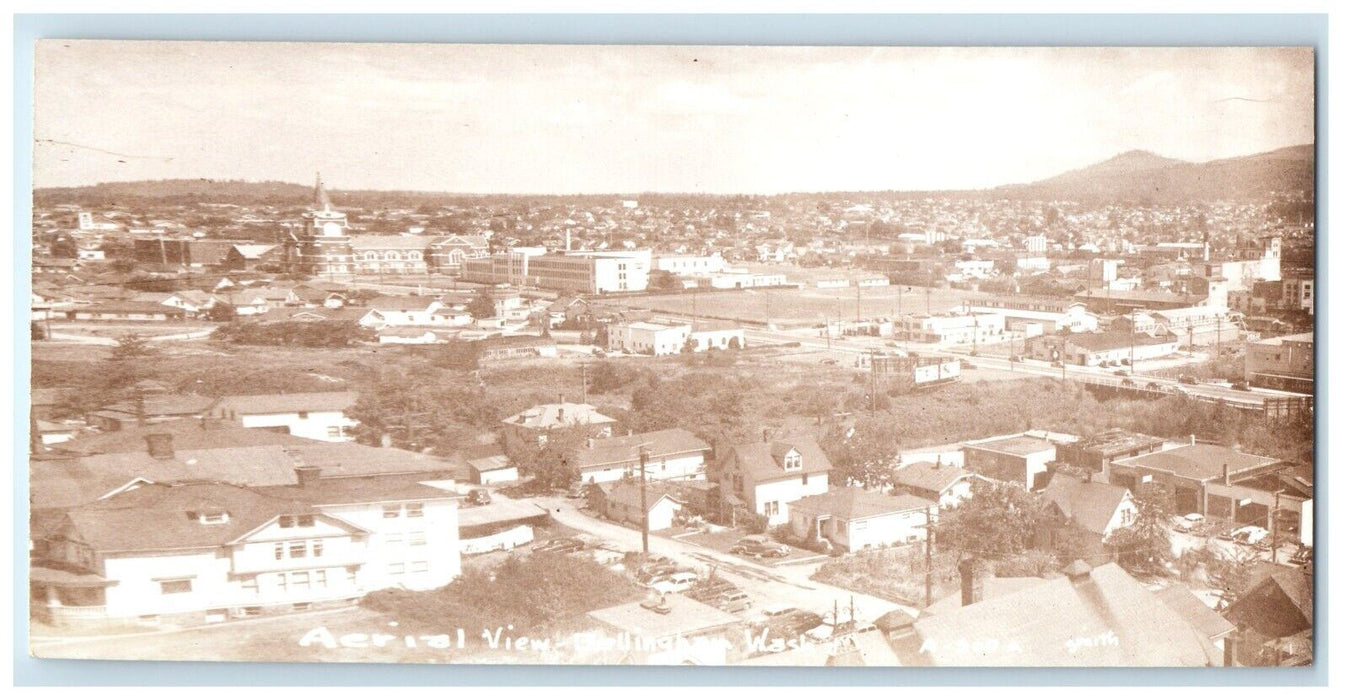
(766, 585)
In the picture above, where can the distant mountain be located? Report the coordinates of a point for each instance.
(1144, 177)
(179, 192)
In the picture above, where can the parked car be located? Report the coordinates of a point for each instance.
(677, 582)
(648, 574)
(1187, 379)
(1301, 556)
(657, 605)
(1017, 358)
(758, 546)
(1056, 363)
(1241, 386)
(479, 497)
(561, 545)
(784, 621)
(734, 601)
(1126, 382)
(1250, 534)
(1189, 523)
(828, 361)
(711, 589)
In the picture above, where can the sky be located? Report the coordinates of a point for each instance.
(621, 119)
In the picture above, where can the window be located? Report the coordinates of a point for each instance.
(298, 550)
(252, 611)
(216, 518)
(396, 568)
(860, 525)
(805, 480)
(176, 586)
(392, 511)
(791, 461)
(417, 539)
(415, 510)
(321, 578)
(334, 431)
(304, 415)
(393, 538)
(420, 567)
(770, 508)
(250, 584)
(280, 550)
(300, 580)
(318, 548)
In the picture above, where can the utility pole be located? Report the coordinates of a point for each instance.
(927, 578)
(859, 301)
(646, 514)
(1133, 323)
(1274, 529)
(929, 301)
(585, 389)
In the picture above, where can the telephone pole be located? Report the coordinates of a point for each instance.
(1274, 529)
(585, 389)
(646, 514)
(927, 578)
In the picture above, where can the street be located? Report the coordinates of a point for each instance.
(766, 585)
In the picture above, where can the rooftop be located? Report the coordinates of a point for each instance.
(686, 617)
(659, 444)
(257, 404)
(1020, 445)
(554, 415)
(1201, 462)
(851, 503)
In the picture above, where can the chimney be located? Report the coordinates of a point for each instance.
(972, 575)
(1227, 477)
(159, 445)
(1077, 571)
(590, 442)
(1192, 439)
(767, 432)
(561, 412)
(307, 476)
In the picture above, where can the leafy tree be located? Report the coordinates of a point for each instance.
(664, 281)
(690, 345)
(1144, 546)
(552, 464)
(864, 455)
(131, 346)
(482, 305)
(605, 377)
(734, 344)
(221, 312)
(999, 520)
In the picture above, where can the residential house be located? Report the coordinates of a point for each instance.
(207, 552)
(1277, 607)
(947, 484)
(516, 347)
(412, 311)
(854, 519)
(532, 426)
(317, 415)
(1092, 506)
(488, 464)
(150, 408)
(622, 501)
(767, 477)
(408, 336)
(1091, 617)
(96, 466)
(673, 454)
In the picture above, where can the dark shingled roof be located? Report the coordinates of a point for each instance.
(659, 444)
(1090, 504)
(761, 462)
(929, 476)
(851, 503)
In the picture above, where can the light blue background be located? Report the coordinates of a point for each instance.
(916, 30)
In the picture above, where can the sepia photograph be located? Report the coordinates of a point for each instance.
(667, 355)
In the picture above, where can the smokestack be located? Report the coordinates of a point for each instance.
(766, 433)
(972, 575)
(561, 412)
(307, 476)
(159, 445)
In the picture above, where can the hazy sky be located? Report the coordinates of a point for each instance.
(565, 119)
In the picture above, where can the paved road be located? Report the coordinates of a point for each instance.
(766, 585)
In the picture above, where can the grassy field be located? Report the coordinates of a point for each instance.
(804, 306)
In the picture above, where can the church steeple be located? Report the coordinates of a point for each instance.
(321, 201)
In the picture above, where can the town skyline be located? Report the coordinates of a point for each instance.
(669, 119)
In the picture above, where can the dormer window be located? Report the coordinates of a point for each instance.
(209, 517)
(791, 461)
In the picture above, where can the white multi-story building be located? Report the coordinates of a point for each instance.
(208, 552)
(671, 455)
(681, 264)
(645, 338)
(953, 329)
(317, 416)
